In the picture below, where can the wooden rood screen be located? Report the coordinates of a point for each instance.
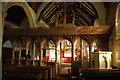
(82, 30)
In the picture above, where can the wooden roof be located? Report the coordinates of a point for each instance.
(85, 13)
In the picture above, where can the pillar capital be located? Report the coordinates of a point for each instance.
(14, 42)
(26, 39)
(72, 38)
(56, 39)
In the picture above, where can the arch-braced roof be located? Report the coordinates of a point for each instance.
(85, 13)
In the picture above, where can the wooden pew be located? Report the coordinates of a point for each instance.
(27, 72)
(53, 66)
(100, 74)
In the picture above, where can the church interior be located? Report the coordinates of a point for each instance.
(61, 40)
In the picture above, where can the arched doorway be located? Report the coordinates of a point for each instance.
(66, 50)
(48, 52)
(7, 52)
(28, 11)
(18, 21)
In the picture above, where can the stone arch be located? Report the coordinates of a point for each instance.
(40, 9)
(66, 40)
(41, 23)
(66, 51)
(51, 43)
(117, 21)
(29, 12)
(101, 12)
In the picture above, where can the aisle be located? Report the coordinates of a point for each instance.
(64, 70)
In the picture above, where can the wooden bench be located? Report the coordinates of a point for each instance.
(54, 67)
(100, 74)
(28, 72)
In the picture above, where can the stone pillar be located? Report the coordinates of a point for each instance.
(114, 53)
(20, 50)
(13, 51)
(117, 36)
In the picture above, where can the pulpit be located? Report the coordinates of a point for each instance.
(101, 59)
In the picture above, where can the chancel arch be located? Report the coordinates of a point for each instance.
(66, 51)
(48, 51)
(29, 13)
